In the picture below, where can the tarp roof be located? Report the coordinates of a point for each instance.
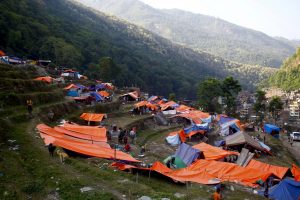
(89, 130)
(195, 116)
(187, 153)
(134, 94)
(285, 190)
(242, 138)
(46, 79)
(61, 132)
(71, 86)
(104, 93)
(167, 105)
(183, 108)
(85, 149)
(276, 170)
(270, 127)
(213, 153)
(93, 117)
(225, 119)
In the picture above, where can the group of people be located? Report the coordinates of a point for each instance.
(122, 136)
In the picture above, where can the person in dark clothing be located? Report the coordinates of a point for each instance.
(51, 149)
(29, 106)
(121, 136)
(266, 191)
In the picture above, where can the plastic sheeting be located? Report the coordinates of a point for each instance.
(95, 150)
(285, 190)
(242, 138)
(276, 170)
(173, 139)
(213, 153)
(46, 79)
(296, 172)
(187, 153)
(93, 117)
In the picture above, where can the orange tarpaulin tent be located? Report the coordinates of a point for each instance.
(213, 153)
(71, 86)
(60, 132)
(183, 108)
(93, 117)
(88, 130)
(46, 79)
(2, 53)
(167, 105)
(296, 172)
(104, 93)
(90, 150)
(195, 116)
(95, 150)
(276, 170)
(140, 104)
(229, 172)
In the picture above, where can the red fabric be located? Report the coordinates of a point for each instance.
(296, 172)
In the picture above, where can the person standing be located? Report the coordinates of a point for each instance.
(217, 194)
(51, 149)
(29, 106)
(132, 135)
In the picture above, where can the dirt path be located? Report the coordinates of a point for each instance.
(294, 149)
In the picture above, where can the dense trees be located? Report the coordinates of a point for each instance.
(260, 104)
(211, 89)
(288, 77)
(76, 37)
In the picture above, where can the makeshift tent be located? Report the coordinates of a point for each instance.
(224, 119)
(209, 172)
(183, 108)
(71, 86)
(187, 153)
(276, 170)
(72, 93)
(51, 136)
(104, 93)
(93, 117)
(146, 104)
(46, 79)
(296, 172)
(2, 53)
(195, 116)
(97, 96)
(90, 130)
(173, 139)
(181, 175)
(285, 190)
(169, 105)
(230, 127)
(175, 162)
(213, 153)
(272, 130)
(131, 96)
(242, 138)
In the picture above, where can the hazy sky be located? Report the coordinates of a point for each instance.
(273, 17)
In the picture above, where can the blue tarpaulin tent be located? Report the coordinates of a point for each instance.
(187, 153)
(97, 96)
(286, 190)
(196, 127)
(224, 120)
(272, 129)
(72, 93)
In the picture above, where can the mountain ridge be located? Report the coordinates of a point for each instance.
(238, 44)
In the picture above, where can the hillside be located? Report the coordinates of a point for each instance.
(201, 32)
(287, 77)
(75, 36)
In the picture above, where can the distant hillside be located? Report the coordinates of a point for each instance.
(201, 32)
(71, 35)
(288, 76)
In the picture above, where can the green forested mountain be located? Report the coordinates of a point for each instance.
(201, 32)
(73, 36)
(288, 76)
